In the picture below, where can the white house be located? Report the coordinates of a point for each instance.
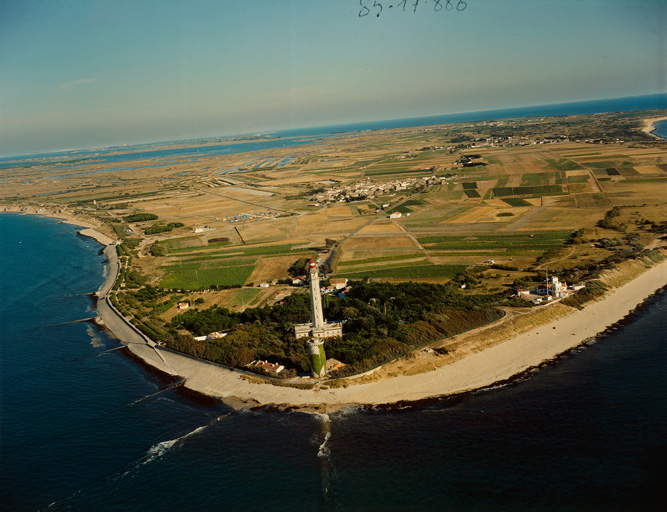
(338, 282)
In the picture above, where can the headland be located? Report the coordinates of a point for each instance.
(649, 126)
(477, 370)
(478, 212)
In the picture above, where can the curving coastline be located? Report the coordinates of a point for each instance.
(649, 126)
(499, 363)
(478, 370)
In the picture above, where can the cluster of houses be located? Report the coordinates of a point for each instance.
(202, 229)
(276, 368)
(338, 286)
(250, 217)
(552, 289)
(367, 189)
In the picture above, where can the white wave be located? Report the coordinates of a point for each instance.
(346, 411)
(161, 448)
(323, 417)
(324, 449)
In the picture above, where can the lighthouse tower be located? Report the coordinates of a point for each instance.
(316, 344)
(319, 329)
(315, 297)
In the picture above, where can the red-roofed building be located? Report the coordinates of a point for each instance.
(265, 365)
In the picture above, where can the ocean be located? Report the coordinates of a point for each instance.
(661, 129)
(310, 135)
(85, 427)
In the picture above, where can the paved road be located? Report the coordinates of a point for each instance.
(111, 317)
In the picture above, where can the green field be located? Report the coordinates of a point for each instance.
(400, 208)
(508, 243)
(245, 297)
(193, 279)
(246, 251)
(516, 201)
(532, 179)
(599, 165)
(179, 245)
(413, 202)
(538, 191)
(379, 259)
(563, 164)
(410, 272)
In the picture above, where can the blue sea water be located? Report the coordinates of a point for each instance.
(660, 129)
(309, 135)
(627, 104)
(86, 427)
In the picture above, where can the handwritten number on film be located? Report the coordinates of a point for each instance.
(438, 5)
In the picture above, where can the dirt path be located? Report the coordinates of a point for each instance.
(569, 254)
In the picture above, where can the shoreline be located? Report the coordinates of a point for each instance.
(498, 364)
(501, 363)
(649, 126)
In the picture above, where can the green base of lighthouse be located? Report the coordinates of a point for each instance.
(318, 360)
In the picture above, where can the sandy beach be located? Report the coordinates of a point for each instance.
(649, 126)
(91, 229)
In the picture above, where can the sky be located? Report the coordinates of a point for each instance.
(87, 73)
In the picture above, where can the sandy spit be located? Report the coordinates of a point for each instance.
(649, 126)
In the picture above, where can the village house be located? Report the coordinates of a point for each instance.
(334, 364)
(274, 368)
(338, 282)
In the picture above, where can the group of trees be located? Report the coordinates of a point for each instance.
(140, 217)
(162, 228)
(382, 321)
(607, 222)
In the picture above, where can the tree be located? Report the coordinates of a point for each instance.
(299, 267)
(157, 250)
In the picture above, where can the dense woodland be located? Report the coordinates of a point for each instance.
(382, 321)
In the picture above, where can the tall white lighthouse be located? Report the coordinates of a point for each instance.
(318, 329)
(315, 297)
